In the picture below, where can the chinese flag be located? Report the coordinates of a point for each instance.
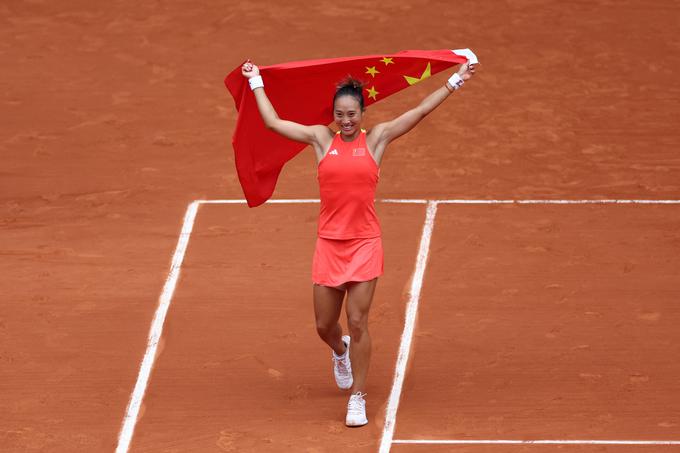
(302, 91)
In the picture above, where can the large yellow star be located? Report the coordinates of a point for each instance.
(413, 80)
(372, 93)
(372, 71)
(387, 60)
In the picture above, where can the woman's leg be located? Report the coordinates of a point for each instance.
(359, 298)
(327, 308)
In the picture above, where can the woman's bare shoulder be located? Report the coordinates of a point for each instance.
(323, 129)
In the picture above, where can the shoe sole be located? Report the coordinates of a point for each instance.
(356, 425)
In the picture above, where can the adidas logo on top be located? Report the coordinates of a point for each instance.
(334, 152)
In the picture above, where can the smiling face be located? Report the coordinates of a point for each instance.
(347, 115)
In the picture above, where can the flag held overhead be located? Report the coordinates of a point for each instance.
(302, 91)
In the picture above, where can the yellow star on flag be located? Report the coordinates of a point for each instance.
(413, 80)
(372, 71)
(372, 93)
(387, 60)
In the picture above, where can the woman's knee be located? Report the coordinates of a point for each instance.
(357, 325)
(324, 329)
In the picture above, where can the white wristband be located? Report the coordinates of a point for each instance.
(455, 81)
(256, 82)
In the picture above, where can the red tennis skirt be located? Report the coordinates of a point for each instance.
(337, 261)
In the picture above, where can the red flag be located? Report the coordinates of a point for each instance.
(302, 91)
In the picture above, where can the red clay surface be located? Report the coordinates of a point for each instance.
(577, 309)
(114, 117)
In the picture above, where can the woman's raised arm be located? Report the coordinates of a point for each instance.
(389, 131)
(289, 129)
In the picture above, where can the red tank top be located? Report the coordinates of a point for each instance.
(348, 176)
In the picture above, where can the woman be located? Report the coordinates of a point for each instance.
(348, 258)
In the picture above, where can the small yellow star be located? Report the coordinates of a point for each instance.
(387, 60)
(372, 93)
(372, 71)
(413, 80)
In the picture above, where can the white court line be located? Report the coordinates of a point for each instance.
(456, 201)
(279, 201)
(306, 200)
(613, 201)
(549, 442)
(130, 419)
(407, 335)
(401, 200)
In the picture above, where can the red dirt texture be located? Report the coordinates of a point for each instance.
(535, 321)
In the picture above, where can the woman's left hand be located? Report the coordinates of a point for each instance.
(466, 71)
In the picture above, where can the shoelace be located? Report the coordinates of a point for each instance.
(341, 365)
(356, 402)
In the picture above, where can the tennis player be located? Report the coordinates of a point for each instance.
(348, 258)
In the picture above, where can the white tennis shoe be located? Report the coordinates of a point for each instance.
(356, 410)
(342, 367)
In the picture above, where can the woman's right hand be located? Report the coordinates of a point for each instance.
(466, 71)
(249, 70)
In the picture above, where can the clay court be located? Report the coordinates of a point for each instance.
(531, 228)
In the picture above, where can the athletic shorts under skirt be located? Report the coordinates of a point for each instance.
(338, 261)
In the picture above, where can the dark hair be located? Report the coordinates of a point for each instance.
(349, 86)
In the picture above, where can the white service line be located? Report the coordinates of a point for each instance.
(309, 200)
(407, 334)
(549, 442)
(605, 201)
(277, 201)
(130, 419)
(401, 200)
(455, 201)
